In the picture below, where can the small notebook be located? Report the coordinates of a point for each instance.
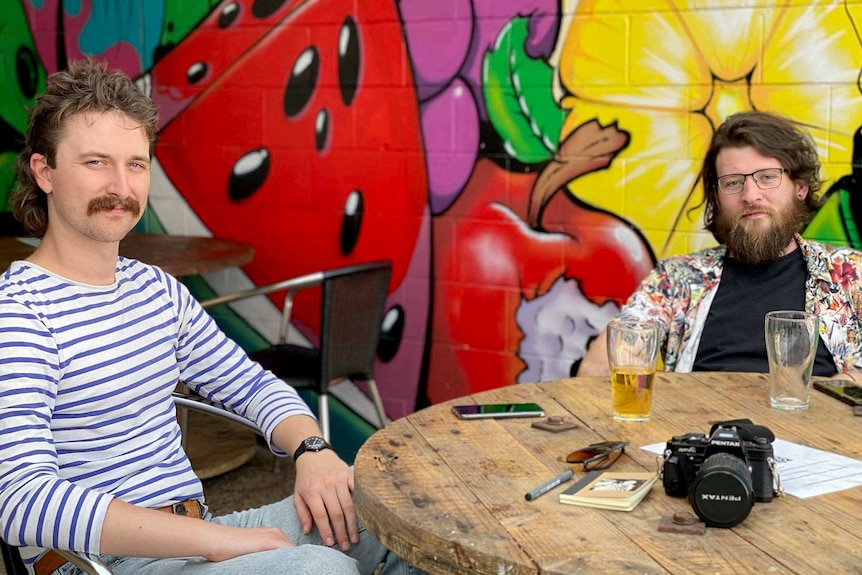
(621, 491)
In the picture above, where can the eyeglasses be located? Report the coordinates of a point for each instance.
(598, 455)
(766, 179)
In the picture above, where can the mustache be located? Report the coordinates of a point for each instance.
(748, 210)
(106, 203)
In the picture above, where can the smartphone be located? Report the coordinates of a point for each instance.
(498, 410)
(847, 392)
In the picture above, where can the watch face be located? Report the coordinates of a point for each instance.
(315, 443)
(311, 444)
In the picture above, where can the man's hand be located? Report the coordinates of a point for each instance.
(854, 375)
(595, 362)
(323, 495)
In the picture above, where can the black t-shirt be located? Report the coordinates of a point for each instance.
(733, 335)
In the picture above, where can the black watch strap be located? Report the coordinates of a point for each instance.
(312, 443)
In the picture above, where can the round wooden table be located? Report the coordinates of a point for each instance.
(448, 494)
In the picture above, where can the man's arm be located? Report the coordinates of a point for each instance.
(323, 497)
(595, 362)
(132, 531)
(854, 375)
(324, 485)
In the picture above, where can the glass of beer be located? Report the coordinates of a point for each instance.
(632, 354)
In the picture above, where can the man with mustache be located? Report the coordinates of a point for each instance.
(92, 346)
(761, 184)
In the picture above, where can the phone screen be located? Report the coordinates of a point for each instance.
(498, 410)
(846, 392)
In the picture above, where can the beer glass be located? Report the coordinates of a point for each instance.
(791, 345)
(632, 354)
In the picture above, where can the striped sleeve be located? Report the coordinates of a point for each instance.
(215, 367)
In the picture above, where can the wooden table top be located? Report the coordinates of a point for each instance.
(177, 255)
(448, 494)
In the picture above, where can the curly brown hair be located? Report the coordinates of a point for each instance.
(86, 86)
(773, 136)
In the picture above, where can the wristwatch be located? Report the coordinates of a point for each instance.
(312, 443)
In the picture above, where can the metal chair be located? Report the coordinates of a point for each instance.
(352, 306)
(14, 565)
(11, 556)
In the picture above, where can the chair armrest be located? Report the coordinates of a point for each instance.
(198, 403)
(290, 285)
(85, 564)
(293, 284)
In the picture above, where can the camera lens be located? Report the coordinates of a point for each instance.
(722, 495)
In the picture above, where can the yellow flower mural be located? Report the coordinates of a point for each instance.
(668, 72)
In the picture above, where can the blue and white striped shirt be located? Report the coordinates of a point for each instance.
(86, 414)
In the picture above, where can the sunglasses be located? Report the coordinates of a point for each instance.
(598, 455)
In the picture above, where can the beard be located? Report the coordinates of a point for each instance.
(746, 243)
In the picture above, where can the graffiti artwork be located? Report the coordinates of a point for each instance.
(522, 163)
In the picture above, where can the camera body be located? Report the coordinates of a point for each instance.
(722, 474)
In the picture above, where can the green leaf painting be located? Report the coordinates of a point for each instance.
(519, 98)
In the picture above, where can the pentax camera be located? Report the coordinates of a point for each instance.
(722, 473)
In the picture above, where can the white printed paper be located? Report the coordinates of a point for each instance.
(805, 471)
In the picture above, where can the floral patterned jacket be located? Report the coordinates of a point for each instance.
(678, 292)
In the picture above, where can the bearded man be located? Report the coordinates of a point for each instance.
(761, 183)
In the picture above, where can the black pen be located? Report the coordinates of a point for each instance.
(545, 487)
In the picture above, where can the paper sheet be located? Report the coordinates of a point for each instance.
(805, 471)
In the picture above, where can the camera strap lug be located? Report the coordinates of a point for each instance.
(659, 461)
(779, 491)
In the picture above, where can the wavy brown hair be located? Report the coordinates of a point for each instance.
(773, 136)
(86, 86)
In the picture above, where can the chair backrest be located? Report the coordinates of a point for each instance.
(352, 306)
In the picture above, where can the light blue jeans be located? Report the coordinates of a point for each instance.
(309, 557)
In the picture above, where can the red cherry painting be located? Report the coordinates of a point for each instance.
(308, 147)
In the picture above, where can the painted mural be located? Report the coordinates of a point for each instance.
(522, 162)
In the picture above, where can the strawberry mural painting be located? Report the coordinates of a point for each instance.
(315, 158)
(203, 56)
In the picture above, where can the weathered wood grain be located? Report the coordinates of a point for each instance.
(448, 494)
